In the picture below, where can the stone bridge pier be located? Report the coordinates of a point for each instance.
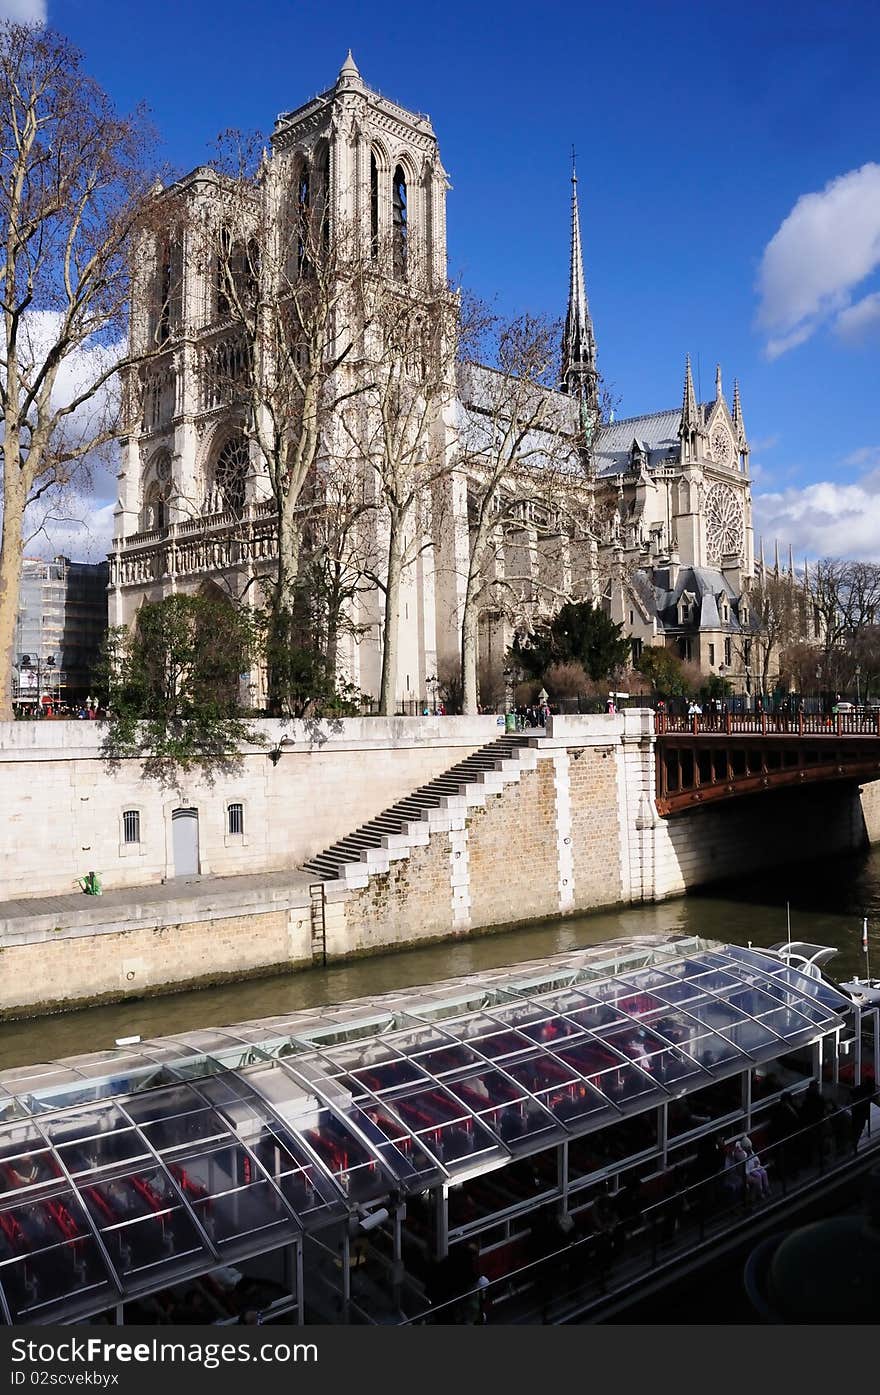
(661, 857)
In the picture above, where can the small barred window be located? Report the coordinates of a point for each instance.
(131, 824)
(235, 818)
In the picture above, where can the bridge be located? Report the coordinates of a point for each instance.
(719, 756)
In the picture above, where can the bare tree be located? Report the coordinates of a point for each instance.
(776, 608)
(519, 451)
(71, 189)
(846, 600)
(397, 427)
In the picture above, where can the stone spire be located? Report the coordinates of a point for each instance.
(691, 425)
(737, 415)
(349, 71)
(689, 402)
(579, 375)
(790, 560)
(719, 391)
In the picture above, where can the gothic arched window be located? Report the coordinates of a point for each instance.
(374, 207)
(398, 223)
(157, 493)
(230, 473)
(303, 203)
(322, 194)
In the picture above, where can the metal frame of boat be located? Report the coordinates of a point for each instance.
(405, 1125)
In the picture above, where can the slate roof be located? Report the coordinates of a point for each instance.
(656, 432)
(704, 584)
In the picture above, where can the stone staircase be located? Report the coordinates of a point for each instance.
(440, 805)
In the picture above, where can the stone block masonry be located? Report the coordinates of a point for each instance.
(161, 946)
(568, 826)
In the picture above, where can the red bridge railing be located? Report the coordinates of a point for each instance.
(770, 724)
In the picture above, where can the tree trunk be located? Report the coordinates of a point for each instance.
(10, 585)
(469, 630)
(388, 690)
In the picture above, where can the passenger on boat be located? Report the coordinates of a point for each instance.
(607, 1229)
(734, 1167)
(812, 1118)
(757, 1181)
(784, 1122)
(859, 1114)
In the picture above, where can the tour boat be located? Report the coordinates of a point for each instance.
(811, 959)
(511, 1134)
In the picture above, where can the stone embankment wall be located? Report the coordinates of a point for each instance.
(61, 808)
(575, 831)
(870, 803)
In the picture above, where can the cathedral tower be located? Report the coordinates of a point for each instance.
(376, 169)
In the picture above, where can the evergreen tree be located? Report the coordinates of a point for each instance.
(579, 633)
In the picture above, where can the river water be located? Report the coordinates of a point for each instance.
(827, 899)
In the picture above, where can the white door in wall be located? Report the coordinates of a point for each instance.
(185, 838)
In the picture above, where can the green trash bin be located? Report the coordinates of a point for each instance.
(510, 721)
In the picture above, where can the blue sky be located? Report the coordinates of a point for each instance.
(702, 130)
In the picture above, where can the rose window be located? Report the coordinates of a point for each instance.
(724, 522)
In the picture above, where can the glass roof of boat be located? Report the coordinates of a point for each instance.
(126, 1170)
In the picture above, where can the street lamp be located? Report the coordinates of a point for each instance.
(858, 685)
(431, 683)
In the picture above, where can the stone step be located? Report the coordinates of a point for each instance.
(441, 803)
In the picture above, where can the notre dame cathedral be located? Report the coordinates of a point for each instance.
(669, 552)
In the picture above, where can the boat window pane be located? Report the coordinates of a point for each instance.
(679, 993)
(489, 1087)
(21, 1166)
(453, 1056)
(714, 1049)
(462, 1141)
(501, 1045)
(541, 1072)
(574, 1102)
(142, 1222)
(592, 1018)
(554, 1029)
(787, 1023)
(427, 1108)
(85, 1123)
(752, 1002)
(10, 1109)
(517, 1124)
(200, 1125)
(350, 1163)
(42, 1274)
(389, 1076)
(120, 1146)
(715, 1014)
(245, 1212)
(751, 1037)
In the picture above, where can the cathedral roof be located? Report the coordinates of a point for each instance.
(656, 432)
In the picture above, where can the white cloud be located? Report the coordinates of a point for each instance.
(77, 519)
(825, 519)
(81, 528)
(861, 320)
(24, 11)
(827, 245)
